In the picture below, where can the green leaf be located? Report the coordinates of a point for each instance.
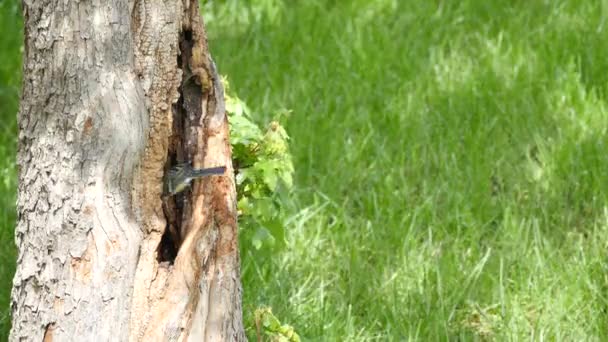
(236, 106)
(244, 206)
(264, 208)
(277, 229)
(264, 173)
(273, 328)
(243, 131)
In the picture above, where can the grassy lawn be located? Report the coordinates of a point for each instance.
(451, 164)
(452, 175)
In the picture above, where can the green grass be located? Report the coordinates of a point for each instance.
(451, 170)
(452, 179)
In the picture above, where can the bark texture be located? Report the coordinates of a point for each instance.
(114, 92)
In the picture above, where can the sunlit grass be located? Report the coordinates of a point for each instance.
(450, 161)
(451, 170)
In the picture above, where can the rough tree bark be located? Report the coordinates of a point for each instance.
(114, 93)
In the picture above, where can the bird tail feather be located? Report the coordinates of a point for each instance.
(209, 171)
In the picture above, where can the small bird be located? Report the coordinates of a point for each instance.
(180, 176)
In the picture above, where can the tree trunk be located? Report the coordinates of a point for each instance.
(114, 93)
